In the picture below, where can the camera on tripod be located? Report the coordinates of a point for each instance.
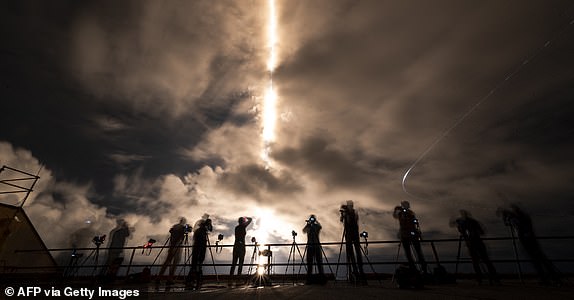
(293, 233)
(149, 243)
(253, 240)
(99, 240)
(364, 234)
(187, 228)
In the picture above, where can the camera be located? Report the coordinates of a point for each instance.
(149, 243)
(99, 239)
(253, 240)
(293, 233)
(312, 219)
(364, 234)
(220, 237)
(187, 228)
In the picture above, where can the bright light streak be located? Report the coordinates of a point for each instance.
(269, 114)
(272, 36)
(266, 224)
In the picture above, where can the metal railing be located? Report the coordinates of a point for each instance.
(380, 257)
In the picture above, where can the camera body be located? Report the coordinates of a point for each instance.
(364, 234)
(293, 233)
(99, 239)
(187, 228)
(312, 220)
(220, 237)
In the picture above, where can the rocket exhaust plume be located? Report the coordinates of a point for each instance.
(269, 117)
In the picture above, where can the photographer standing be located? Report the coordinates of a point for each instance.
(520, 222)
(239, 245)
(117, 240)
(200, 238)
(410, 234)
(471, 231)
(350, 220)
(314, 251)
(177, 233)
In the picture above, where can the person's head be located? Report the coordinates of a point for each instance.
(208, 225)
(121, 223)
(312, 219)
(464, 213)
(405, 204)
(241, 220)
(350, 204)
(182, 220)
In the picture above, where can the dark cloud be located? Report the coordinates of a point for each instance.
(257, 182)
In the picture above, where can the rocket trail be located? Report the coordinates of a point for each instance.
(479, 102)
(269, 115)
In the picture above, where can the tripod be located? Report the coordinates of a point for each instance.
(292, 255)
(160, 251)
(186, 253)
(212, 260)
(365, 253)
(255, 251)
(73, 266)
(511, 228)
(352, 262)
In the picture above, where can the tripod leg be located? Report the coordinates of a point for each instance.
(291, 252)
(160, 251)
(302, 260)
(327, 261)
(458, 255)
(396, 261)
(339, 258)
(212, 260)
(371, 265)
(516, 254)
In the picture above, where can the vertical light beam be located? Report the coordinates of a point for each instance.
(269, 117)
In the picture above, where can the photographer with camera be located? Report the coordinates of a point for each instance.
(118, 238)
(239, 245)
(314, 251)
(471, 231)
(200, 240)
(350, 220)
(177, 233)
(410, 234)
(520, 222)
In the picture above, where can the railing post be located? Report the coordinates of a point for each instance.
(130, 263)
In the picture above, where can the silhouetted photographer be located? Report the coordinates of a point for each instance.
(410, 234)
(117, 240)
(200, 240)
(239, 245)
(350, 220)
(177, 234)
(520, 222)
(314, 252)
(471, 231)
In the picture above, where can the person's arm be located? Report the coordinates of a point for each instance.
(306, 228)
(248, 221)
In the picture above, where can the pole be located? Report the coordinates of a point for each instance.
(516, 253)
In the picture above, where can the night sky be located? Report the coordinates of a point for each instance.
(151, 110)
